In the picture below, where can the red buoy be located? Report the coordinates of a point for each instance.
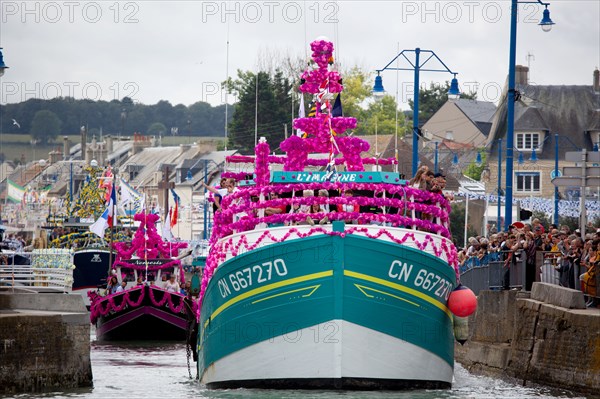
(462, 301)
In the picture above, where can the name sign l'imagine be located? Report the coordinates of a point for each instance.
(343, 177)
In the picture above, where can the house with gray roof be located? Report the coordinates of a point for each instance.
(544, 116)
(462, 120)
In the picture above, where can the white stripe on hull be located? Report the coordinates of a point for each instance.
(336, 349)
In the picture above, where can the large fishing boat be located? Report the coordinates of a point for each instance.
(327, 279)
(147, 306)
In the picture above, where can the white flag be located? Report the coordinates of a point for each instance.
(301, 113)
(100, 225)
(15, 192)
(140, 203)
(167, 235)
(126, 197)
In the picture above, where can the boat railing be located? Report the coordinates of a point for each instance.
(397, 206)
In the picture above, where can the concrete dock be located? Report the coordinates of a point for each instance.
(44, 343)
(544, 337)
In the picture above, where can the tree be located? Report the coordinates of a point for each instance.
(45, 127)
(108, 116)
(457, 224)
(356, 90)
(274, 108)
(432, 99)
(156, 129)
(380, 114)
(473, 170)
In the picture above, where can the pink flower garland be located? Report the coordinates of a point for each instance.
(219, 251)
(97, 309)
(263, 175)
(324, 132)
(297, 151)
(237, 176)
(167, 298)
(147, 244)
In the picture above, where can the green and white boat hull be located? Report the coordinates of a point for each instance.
(329, 311)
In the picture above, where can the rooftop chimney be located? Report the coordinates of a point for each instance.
(83, 141)
(66, 148)
(521, 75)
(597, 81)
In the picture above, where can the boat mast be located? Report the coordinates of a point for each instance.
(114, 220)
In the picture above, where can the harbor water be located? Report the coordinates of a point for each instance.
(159, 370)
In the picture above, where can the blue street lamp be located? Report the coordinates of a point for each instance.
(499, 192)
(189, 177)
(546, 24)
(416, 66)
(2, 64)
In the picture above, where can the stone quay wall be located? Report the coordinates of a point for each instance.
(547, 337)
(44, 343)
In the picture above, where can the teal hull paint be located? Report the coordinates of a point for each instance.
(385, 309)
(356, 279)
(278, 311)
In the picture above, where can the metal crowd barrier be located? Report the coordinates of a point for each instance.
(493, 272)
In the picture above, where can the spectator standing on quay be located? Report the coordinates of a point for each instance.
(508, 257)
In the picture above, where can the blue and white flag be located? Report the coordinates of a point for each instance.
(100, 225)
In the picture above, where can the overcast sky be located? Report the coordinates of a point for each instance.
(177, 51)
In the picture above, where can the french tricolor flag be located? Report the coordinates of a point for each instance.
(107, 218)
(111, 206)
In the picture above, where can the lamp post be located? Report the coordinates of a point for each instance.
(546, 24)
(435, 158)
(3, 67)
(499, 192)
(556, 198)
(416, 67)
(123, 119)
(189, 177)
(557, 172)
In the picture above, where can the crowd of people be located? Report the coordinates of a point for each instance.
(574, 256)
(318, 213)
(168, 283)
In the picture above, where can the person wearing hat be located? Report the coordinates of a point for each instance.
(536, 223)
